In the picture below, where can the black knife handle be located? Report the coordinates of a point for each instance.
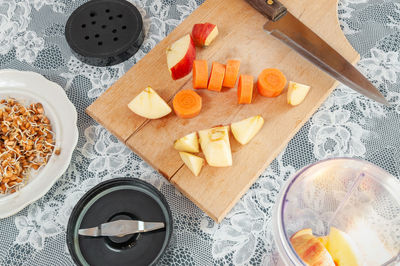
(272, 9)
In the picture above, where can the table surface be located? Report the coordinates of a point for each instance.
(347, 124)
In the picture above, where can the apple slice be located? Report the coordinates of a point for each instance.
(245, 130)
(149, 104)
(188, 143)
(204, 33)
(307, 231)
(193, 162)
(342, 248)
(216, 147)
(180, 57)
(310, 249)
(296, 93)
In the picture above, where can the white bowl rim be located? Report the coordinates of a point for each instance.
(13, 203)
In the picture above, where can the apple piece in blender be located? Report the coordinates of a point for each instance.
(313, 250)
(342, 248)
(310, 249)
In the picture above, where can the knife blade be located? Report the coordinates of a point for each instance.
(121, 228)
(292, 32)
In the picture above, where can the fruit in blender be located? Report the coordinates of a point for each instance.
(335, 249)
(341, 247)
(310, 249)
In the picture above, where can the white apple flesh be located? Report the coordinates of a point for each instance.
(211, 37)
(297, 93)
(149, 104)
(216, 147)
(193, 162)
(245, 130)
(188, 143)
(342, 248)
(180, 57)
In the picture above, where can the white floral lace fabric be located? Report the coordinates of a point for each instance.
(347, 124)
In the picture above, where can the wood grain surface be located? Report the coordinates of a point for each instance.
(241, 36)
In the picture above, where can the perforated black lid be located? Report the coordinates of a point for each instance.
(105, 32)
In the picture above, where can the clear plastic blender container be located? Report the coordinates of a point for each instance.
(352, 195)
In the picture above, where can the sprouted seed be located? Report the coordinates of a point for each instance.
(26, 143)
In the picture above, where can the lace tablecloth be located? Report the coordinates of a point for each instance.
(347, 124)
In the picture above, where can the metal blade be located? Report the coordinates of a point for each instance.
(94, 231)
(121, 228)
(300, 38)
(147, 227)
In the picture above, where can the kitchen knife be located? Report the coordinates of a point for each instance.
(287, 28)
(121, 228)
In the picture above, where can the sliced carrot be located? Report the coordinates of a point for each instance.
(231, 73)
(245, 89)
(271, 82)
(216, 77)
(200, 74)
(187, 104)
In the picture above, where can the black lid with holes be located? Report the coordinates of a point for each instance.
(105, 32)
(119, 199)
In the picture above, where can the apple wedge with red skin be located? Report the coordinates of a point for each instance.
(180, 57)
(204, 33)
(311, 249)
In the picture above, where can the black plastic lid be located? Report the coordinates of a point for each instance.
(105, 32)
(119, 199)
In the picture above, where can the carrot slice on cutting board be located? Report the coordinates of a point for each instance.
(216, 77)
(271, 82)
(187, 104)
(231, 73)
(200, 74)
(245, 89)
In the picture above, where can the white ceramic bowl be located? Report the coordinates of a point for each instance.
(30, 87)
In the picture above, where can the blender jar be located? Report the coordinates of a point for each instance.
(352, 195)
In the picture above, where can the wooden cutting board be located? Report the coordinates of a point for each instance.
(241, 36)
